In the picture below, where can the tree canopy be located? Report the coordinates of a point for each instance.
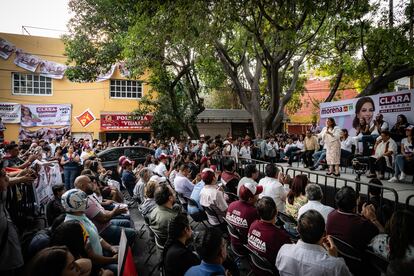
(259, 49)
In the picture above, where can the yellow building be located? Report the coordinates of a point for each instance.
(111, 96)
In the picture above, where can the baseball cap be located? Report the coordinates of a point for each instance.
(226, 142)
(158, 179)
(74, 200)
(410, 127)
(162, 156)
(207, 175)
(249, 190)
(121, 160)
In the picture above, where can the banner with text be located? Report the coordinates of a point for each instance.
(52, 69)
(44, 133)
(48, 176)
(10, 113)
(347, 113)
(45, 115)
(125, 122)
(6, 48)
(26, 61)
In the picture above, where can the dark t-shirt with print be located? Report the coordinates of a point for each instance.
(266, 239)
(241, 215)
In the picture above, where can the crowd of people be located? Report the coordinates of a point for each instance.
(198, 179)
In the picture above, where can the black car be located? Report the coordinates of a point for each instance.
(110, 157)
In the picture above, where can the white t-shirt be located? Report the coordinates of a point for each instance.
(407, 146)
(161, 169)
(245, 152)
(274, 189)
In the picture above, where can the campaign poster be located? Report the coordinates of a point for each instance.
(48, 176)
(44, 133)
(125, 122)
(348, 113)
(6, 48)
(10, 113)
(33, 115)
(27, 61)
(52, 69)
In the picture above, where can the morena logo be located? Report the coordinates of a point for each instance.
(337, 109)
(395, 99)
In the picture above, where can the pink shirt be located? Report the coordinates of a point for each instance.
(92, 210)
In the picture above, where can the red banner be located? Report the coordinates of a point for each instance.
(125, 122)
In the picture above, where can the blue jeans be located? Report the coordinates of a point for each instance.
(319, 156)
(399, 164)
(112, 233)
(70, 174)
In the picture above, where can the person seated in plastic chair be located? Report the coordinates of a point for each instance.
(314, 254)
(385, 150)
(404, 162)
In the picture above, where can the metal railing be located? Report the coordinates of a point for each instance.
(329, 184)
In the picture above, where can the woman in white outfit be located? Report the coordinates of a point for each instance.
(331, 137)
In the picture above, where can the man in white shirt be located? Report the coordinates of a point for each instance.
(314, 253)
(235, 150)
(273, 188)
(251, 174)
(385, 151)
(271, 150)
(53, 145)
(182, 184)
(314, 194)
(245, 150)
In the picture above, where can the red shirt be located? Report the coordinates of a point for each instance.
(266, 239)
(241, 215)
(351, 228)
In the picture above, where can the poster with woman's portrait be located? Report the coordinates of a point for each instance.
(359, 112)
(6, 48)
(27, 61)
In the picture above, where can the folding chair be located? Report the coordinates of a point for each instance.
(378, 262)
(234, 233)
(352, 256)
(260, 264)
(198, 217)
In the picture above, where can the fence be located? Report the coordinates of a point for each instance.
(329, 184)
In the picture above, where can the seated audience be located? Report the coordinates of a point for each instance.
(385, 150)
(383, 207)
(211, 196)
(242, 213)
(273, 188)
(128, 177)
(54, 208)
(398, 240)
(108, 223)
(75, 202)
(164, 197)
(144, 176)
(354, 229)
(398, 130)
(314, 194)
(182, 184)
(195, 195)
(264, 237)
(346, 144)
(212, 249)
(149, 202)
(229, 177)
(177, 257)
(311, 146)
(58, 261)
(296, 197)
(404, 162)
(250, 176)
(314, 253)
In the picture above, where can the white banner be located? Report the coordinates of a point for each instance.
(26, 61)
(348, 112)
(6, 48)
(45, 115)
(52, 70)
(10, 113)
(48, 175)
(107, 75)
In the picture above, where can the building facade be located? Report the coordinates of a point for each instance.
(108, 103)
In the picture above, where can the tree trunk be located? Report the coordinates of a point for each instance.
(335, 86)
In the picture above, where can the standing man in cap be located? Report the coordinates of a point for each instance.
(242, 213)
(245, 151)
(161, 168)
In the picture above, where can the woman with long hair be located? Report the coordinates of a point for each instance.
(364, 109)
(176, 257)
(398, 130)
(398, 240)
(331, 136)
(296, 197)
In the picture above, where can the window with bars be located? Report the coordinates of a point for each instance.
(31, 84)
(126, 89)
